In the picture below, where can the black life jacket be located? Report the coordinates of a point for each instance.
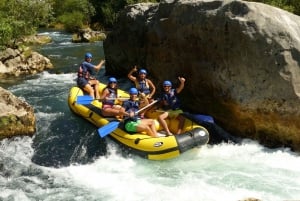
(113, 93)
(172, 100)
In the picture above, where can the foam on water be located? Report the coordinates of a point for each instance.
(224, 172)
(220, 172)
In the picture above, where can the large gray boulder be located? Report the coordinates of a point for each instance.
(16, 116)
(18, 62)
(241, 61)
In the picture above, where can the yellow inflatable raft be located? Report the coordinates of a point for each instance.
(160, 148)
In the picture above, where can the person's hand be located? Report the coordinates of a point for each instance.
(131, 114)
(134, 68)
(181, 79)
(142, 95)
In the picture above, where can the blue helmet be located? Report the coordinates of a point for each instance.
(167, 83)
(142, 71)
(88, 55)
(112, 79)
(133, 91)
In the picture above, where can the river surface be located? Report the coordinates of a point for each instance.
(67, 160)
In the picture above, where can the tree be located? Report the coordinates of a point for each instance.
(288, 5)
(74, 14)
(19, 18)
(107, 10)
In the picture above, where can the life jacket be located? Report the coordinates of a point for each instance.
(172, 100)
(112, 94)
(131, 106)
(83, 72)
(143, 86)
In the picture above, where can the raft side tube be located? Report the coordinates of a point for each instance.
(193, 138)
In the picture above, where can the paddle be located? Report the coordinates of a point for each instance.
(83, 100)
(111, 126)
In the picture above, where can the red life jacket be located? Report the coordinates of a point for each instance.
(83, 72)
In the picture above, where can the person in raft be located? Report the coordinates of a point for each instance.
(134, 123)
(85, 80)
(171, 105)
(109, 96)
(145, 86)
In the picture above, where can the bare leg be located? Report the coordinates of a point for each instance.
(181, 124)
(153, 128)
(145, 125)
(122, 112)
(114, 111)
(163, 123)
(143, 102)
(89, 89)
(151, 125)
(95, 84)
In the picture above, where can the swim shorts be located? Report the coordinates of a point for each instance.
(81, 82)
(130, 126)
(174, 113)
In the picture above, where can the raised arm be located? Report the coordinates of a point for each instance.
(130, 76)
(181, 86)
(97, 67)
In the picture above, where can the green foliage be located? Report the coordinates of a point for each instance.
(18, 18)
(76, 13)
(109, 13)
(288, 5)
(6, 32)
(23, 17)
(107, 10)
(72, 21)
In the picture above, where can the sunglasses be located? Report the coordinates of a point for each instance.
(167, 86)
(113, 83)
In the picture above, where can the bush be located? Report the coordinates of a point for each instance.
(72, 21)
(6, 32)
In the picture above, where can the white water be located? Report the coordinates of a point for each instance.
(212, 173)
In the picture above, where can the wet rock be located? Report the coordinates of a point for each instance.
(16, 116)
(241, 61)
(88, 35)
(18, 62)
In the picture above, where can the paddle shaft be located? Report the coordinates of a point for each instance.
(86, 99)
(120, 98)
(147, 106)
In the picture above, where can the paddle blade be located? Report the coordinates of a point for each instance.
(199, 118)
(204, 118)
(84, 100)
(108, 128)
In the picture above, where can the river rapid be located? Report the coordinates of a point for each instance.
(67, 160)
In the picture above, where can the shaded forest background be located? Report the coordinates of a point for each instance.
(23, 17)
